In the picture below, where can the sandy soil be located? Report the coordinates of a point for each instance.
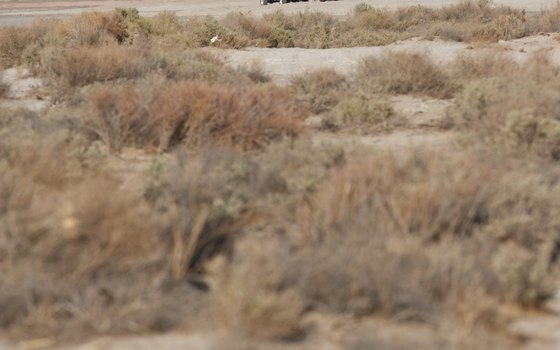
(281, 64)
(20, 12)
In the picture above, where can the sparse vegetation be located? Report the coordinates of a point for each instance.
(504, 113)
(321, 89)
(403, 73)
(163, 189)
(365, 26)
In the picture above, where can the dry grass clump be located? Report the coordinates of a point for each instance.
(329, 94)
(165, 23)
(95, 28)
(362, 110)
(320, 89)
(471, 67)
(549, 19)
(163, 115)
(506, 114)
(404, 73)
(199, 31)
(17, 44)
(72, 68)
(253, 29)
(199, 65)
(252, 297)
(480, 21)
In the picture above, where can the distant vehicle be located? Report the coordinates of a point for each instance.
(266, 2)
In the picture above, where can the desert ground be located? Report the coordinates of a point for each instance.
(314, 175)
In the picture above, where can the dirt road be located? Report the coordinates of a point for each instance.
(19, 12)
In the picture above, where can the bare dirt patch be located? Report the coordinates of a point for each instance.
(283, 63)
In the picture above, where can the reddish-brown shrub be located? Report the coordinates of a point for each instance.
(191, 113)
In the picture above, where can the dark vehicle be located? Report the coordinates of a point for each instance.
(266, 2)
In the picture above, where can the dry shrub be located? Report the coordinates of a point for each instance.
(247, 26)
(95, 28)
(199, 31)
(461, 32)
(487, 22)
(251, 297)
(138, 27)
(504, 27)
(165, 23)
(414, 235)
(415, 16)
(321, 30)
(549, 19)
(255, 71)
(197, 65)
(90, 264)
(403, 73)
(305, 29)
(321, 89)
(72, 68)
(374, 19)
(118, 115)
(207, 200)
(494, 63)
(476, 10)
(463, 21)
(164, 115)
(507, 115)
(257, 31)
(68, 69)
(17, 42)
(360, 111)
(366, 26)
(13, 42)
